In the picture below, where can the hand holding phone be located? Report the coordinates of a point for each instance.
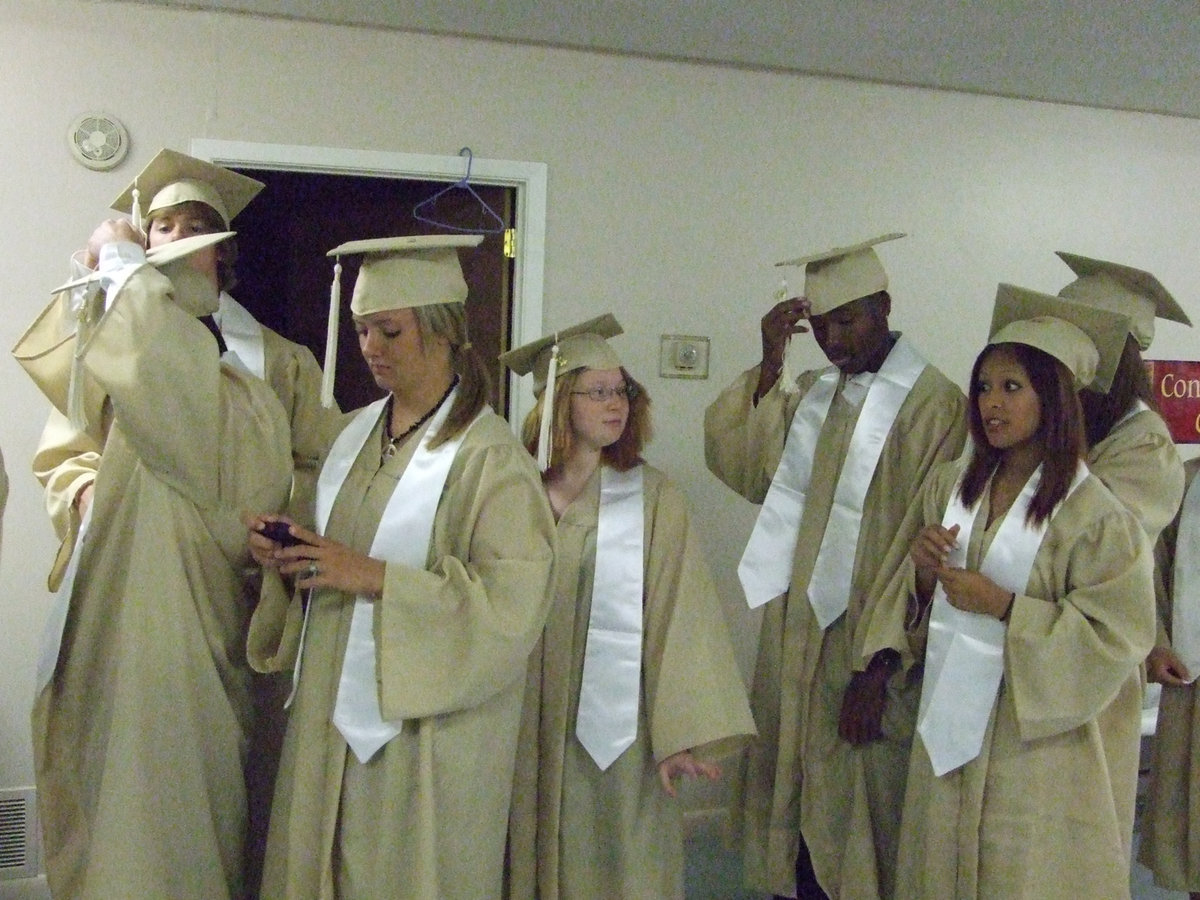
(279, 532)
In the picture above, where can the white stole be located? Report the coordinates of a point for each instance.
(243, 335)
(766, 566)
(608, 697)
(1185, 584)
(402, 536)
(964, 659)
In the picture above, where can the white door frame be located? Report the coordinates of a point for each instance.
(529, 179)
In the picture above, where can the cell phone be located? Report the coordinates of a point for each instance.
(278, 532)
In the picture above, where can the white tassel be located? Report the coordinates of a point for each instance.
(331, 336)
(788, 375)
(85, 319)
(136, 212)
(544, 431)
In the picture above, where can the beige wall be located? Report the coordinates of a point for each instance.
(672, 189)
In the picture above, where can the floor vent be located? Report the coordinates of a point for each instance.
(18, 834)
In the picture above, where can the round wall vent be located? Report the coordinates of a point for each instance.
(98, 141)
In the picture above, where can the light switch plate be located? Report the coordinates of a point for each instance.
(683, 356)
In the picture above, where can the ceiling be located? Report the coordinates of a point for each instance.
(1119, 54)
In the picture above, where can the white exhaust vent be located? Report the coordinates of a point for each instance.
(18, 834)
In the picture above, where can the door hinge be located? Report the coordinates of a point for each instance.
(510, 243)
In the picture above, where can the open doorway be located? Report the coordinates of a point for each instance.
(317, 198)
(285, 234)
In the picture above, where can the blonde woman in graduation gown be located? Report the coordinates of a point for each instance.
(143, 704)
(1044, 583)
(595, 809)
(431, 560)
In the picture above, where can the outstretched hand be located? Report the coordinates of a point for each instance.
(683, 764)
(1163, 666)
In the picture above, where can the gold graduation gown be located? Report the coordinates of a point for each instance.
(140, 735)
(67, 458)
(799, 773)
(1138, 462)
(578, 832)
(426, 816)
(1170, 833)
(1039, 813)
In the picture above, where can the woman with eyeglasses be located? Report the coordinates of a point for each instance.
(634, 684)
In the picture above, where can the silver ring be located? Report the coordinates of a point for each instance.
(313, 571)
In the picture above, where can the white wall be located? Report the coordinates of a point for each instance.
(672, 190)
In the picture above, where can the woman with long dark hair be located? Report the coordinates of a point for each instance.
(1033, 586)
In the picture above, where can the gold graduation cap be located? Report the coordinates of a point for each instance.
(172, 178)
(396, 273)
(1087, 340)
(1135, 293)
(836, 277)
(582, 346)
(51, 349)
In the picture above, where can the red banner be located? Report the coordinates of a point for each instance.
(1176, 384)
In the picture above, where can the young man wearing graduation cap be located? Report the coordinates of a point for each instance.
(143, 696)
(184, 196)
(835, 458)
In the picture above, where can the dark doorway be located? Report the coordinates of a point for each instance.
(284, 275)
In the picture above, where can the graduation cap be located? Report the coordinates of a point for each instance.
(836, 277)
(1124, 289)
(51, 350)
(396, 273)
(171, 178)
(1087, 340)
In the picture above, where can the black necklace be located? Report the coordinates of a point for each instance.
(392, 442)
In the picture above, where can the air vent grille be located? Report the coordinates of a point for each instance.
(18, 834)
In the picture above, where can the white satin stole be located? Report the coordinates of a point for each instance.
(607, 721)
(766, 566)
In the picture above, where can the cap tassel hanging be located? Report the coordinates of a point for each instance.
(787, 375)
(85, 319)
(331, 336)
(544, 431)
(136, 212)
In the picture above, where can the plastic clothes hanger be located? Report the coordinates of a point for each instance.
(424, 211)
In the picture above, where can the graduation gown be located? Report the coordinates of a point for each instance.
(67, 458)
(799, 773)
(577, 831)
(1039, 813)
(139, 736)
(426, 816)
(1170, 832)
(1138, 462)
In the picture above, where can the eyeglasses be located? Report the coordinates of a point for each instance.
(604, 394)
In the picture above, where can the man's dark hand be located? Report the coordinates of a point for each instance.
(863, 703)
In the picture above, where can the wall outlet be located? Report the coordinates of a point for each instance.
(683, 356)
